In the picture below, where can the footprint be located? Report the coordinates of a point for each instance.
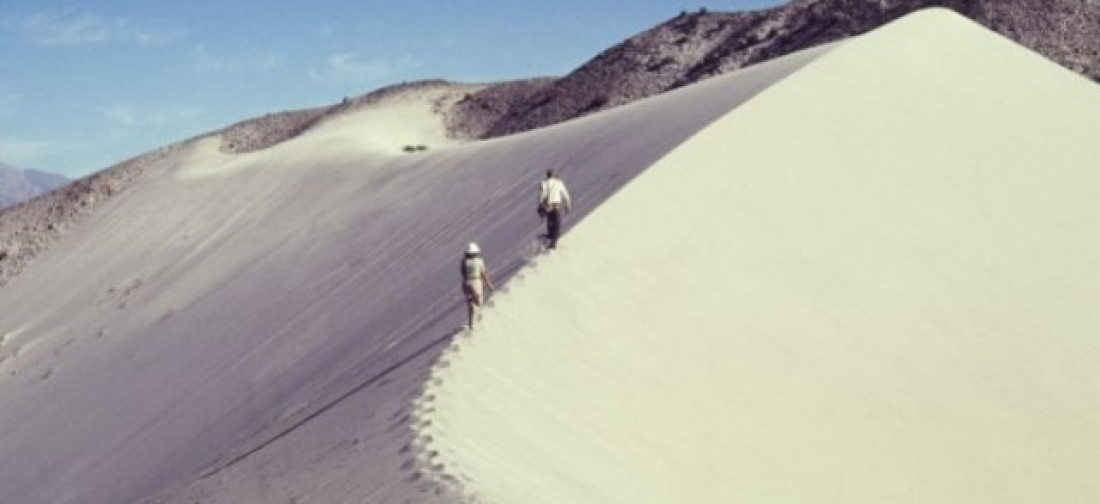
(22, 349)
(59, 349)
(166, 316)
(401, 423)
(427, 487)
(408, 448)
(120, 293)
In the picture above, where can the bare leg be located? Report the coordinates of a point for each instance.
(474, 298)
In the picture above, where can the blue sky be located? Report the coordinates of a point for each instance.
(84, 85)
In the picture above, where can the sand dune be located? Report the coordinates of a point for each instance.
(256, 327)
(873, 282)
(859, 273)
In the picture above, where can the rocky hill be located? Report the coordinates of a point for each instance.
(697, 45)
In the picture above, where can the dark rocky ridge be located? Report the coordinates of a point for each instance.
(476, 113)
(694, 46)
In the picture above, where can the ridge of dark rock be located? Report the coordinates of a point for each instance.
(695, 46)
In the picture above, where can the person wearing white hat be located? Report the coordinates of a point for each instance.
(475, 277)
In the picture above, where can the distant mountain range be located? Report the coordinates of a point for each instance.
(18, 185)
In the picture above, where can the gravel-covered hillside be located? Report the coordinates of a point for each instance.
(694, 46)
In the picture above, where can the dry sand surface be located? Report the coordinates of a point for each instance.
(257, 327)
(873, 282)
(861, 273)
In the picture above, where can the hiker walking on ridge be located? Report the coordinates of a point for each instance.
(554, 203)
(475, 278)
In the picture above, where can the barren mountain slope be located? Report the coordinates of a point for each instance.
(695, 46)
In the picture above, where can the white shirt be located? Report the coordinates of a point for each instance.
(552, 191)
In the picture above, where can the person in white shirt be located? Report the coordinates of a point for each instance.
(475, 277)
(554, 203)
